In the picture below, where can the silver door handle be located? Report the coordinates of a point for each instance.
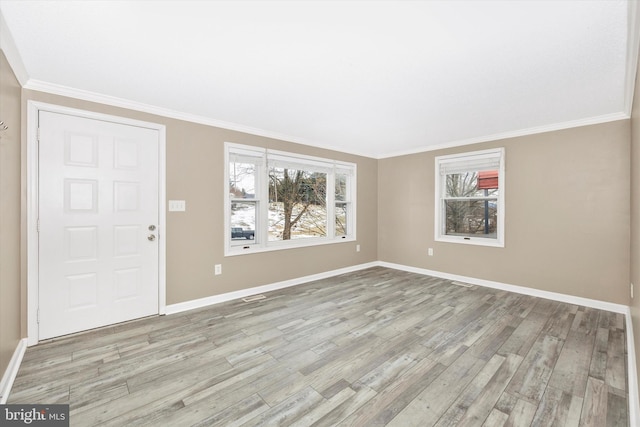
(151, 237)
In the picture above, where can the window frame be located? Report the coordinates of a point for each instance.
(261, 242)
(440, 193)
(251, 157)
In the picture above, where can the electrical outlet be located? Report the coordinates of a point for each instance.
(357, 248)
(218, 269)
(430, 251)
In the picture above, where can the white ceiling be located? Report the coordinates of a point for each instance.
(377, 78)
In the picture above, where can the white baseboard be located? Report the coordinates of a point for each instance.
(217, 299)
(634, 396)
(570, 299)
(12, 371)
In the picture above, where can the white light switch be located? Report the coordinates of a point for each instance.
(177, 206)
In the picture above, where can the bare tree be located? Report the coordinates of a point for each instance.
(297, 190)
(459, 185)
(470, 216)
(242, 174)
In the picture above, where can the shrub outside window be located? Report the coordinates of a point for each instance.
(470, 198)
(277, 200)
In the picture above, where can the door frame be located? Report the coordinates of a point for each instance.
(32, 196)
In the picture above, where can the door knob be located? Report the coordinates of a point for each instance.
(151, 237)
(152, 227)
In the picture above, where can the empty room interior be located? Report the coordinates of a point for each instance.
(355, 213)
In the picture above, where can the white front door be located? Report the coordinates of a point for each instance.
(98, 207)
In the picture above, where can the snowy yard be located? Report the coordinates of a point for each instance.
(311, 224)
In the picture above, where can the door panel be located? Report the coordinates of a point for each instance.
(98, 197)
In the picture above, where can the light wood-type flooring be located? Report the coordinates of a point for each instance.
(370, 348)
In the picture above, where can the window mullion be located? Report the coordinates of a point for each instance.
(351, 203)
(471, 198)
(263, 205)
(331, 205)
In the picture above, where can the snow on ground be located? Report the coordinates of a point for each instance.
(312, 223)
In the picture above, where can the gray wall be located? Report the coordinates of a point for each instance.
(10, 267)
(566, 217)
(635, 219)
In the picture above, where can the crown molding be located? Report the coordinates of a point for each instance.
(516, 133)
(70, 92)
(55, 89)
(633, 48)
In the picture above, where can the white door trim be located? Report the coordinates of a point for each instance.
(33, 108)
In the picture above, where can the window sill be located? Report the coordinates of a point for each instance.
(278, 246)
(476, 241)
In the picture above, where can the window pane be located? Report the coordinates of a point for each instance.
(476, 218)
(341, 187)
(297, 204)
(472, 184)
(341, 219)
(243, 223)
(242, 180)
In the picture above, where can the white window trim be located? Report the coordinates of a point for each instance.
(262, 222)
(439, 236)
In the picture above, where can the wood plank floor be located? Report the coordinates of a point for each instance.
(371, 348)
